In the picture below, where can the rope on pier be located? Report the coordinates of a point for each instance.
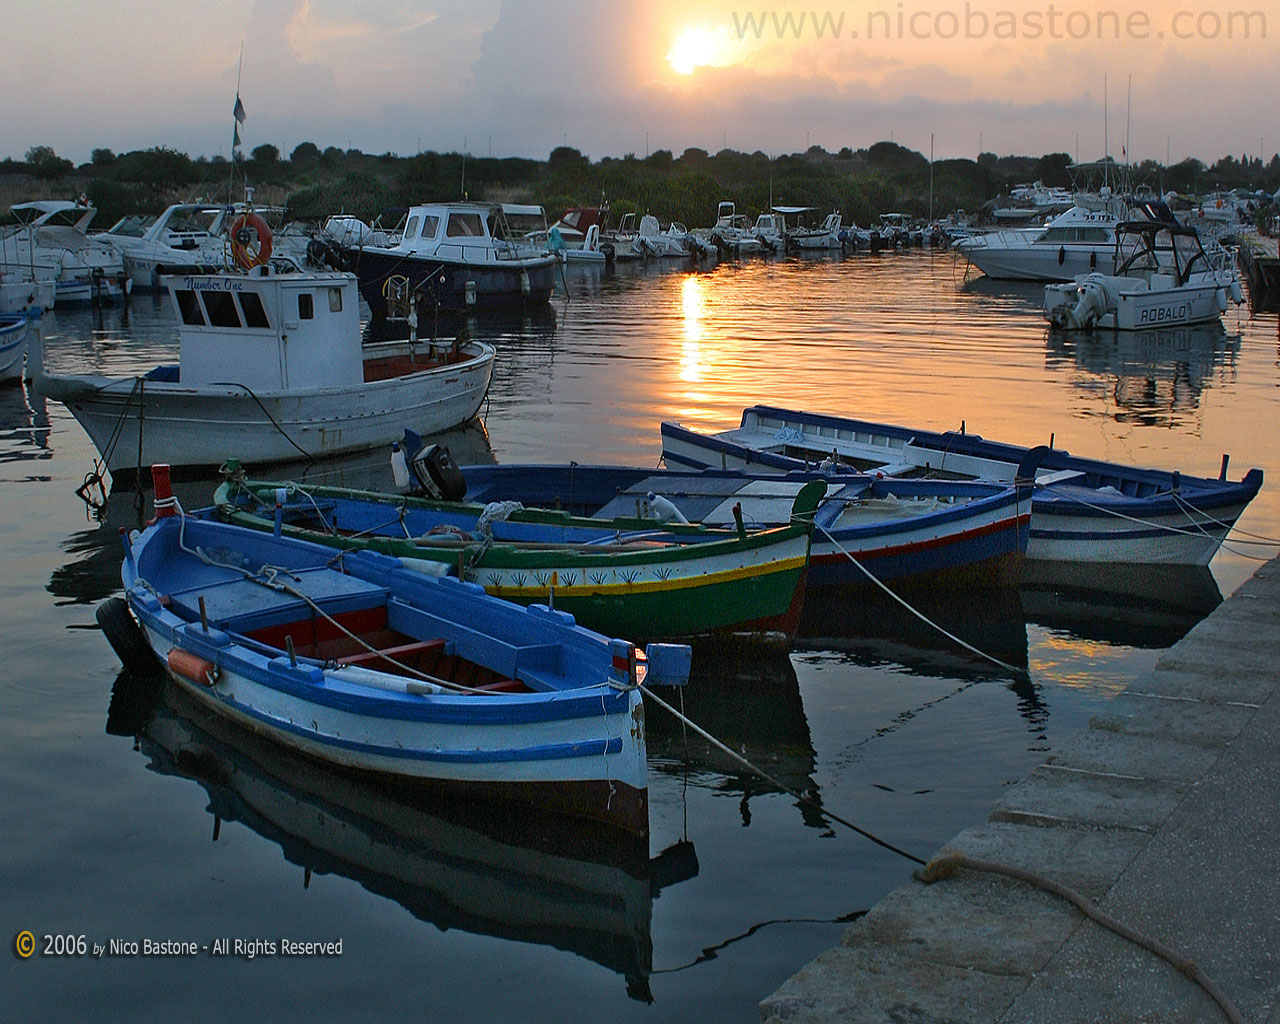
(946, 864)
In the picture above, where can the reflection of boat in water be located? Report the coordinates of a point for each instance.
(1142, 606)
(751, 703)
(1152, 374)
(24, 426)
(490, 872)
(875, 629)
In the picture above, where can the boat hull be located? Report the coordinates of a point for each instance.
(1037, 262)
(452, 285)
(137, 422)
(578, 749)
(13, 347)
(661, 585)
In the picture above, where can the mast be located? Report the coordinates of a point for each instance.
(237, 119)
(1106, 145)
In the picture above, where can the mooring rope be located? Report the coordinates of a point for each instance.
(945, 865)
(809, 801)
(916, 612)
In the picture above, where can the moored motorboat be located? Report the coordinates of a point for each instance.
(452, 256)
(1162, 276)
(362, 663)
(1082, 509)
(271, 369)
(625, 576)
(930, 533)
(51, 242)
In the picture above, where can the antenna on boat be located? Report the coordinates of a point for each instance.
(464, 168)
(1106, 145)
(237, 115)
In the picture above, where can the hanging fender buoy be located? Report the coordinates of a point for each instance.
(125, 635)
(1062, 254)
(250, 241)
(192, 666)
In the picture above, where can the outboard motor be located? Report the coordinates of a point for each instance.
(436, 475)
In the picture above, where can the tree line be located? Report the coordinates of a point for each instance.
(313, 183)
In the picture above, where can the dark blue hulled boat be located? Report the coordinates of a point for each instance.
(927, 532)
(451, 256)
(1083, 510)
(354, 659)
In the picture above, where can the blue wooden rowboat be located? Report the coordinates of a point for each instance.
(353, 659)
(931, 533)
(1083, 510)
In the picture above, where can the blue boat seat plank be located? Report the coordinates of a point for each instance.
(537, 664)
(240, 604)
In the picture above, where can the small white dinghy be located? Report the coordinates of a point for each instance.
(272, 369)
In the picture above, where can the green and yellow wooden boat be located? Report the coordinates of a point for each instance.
(630, 577)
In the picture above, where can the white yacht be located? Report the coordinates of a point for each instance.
(1079, 241)
(660, 244)
(185, 239)
(823, 236)
(50, 242)
(732, 234)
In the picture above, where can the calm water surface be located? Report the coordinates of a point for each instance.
(124, 820)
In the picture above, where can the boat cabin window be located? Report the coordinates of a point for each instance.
(465, 225)
(189, 307)
(306, 306)
(254, 314)
(430, 225)
(221, 309)
(335, 300)
(411, 229)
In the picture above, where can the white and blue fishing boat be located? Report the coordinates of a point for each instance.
(13, 346)
(356, 660)
(1083, 510)
(926, 533)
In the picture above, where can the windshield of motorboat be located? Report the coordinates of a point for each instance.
(190, 222)
(1145, 248)
(133, 226)
(520, 225)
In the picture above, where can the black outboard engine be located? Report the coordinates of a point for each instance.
(436, 475)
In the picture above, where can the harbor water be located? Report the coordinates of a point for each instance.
(130, 817)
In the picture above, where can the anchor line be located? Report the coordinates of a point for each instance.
(824, 811)
(917, 613)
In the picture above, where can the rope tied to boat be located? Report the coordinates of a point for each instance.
(946, 864)
(803, 798)
(267, 575)
(1019, 672)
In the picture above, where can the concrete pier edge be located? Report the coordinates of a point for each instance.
(1165, 812)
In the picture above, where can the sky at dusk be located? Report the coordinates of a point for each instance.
(519, 77)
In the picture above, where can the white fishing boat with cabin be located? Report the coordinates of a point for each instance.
(271, 369)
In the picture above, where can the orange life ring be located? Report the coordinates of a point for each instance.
(250, 241)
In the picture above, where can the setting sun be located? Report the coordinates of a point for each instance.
(698, 47)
